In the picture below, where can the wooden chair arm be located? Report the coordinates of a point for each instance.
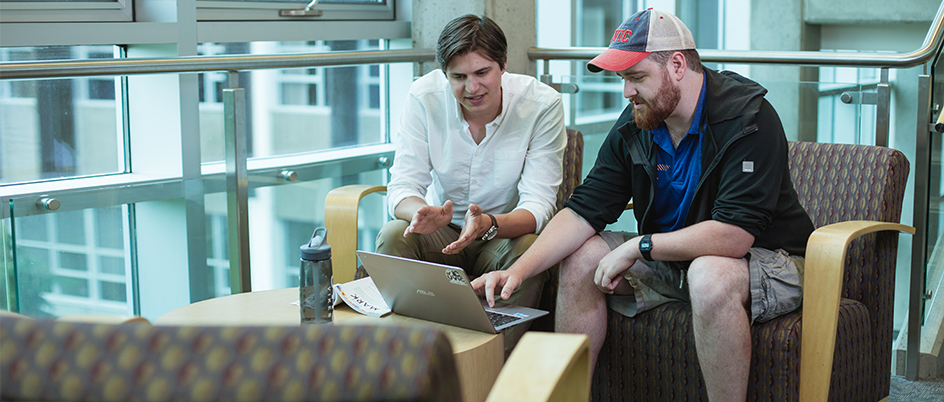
(104, 319)
(341, 206)
(89, 318)
(822, 286)
(8, 313)
(545, 366)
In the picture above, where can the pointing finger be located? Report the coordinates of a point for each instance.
(490, 290)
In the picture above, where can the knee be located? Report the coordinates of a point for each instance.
(718, 283)
(390, 238)
(582, 262)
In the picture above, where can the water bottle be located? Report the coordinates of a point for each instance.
(315, 290)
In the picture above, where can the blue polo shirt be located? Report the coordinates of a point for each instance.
(677, 172)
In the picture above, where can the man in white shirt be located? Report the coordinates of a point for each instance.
(478, 161)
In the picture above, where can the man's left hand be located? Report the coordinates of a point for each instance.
(614, 265)
(474, 227)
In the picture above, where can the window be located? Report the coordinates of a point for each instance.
(217, 252)
(60, 128)
(296, 110)
(74, 262)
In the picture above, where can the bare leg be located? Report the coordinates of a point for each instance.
(720, 288)
(581, 307)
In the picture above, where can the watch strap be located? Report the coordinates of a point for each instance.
(493, 230)
(645, 247)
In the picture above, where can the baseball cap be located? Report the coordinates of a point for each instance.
(645, 32)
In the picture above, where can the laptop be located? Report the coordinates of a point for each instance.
(439, 293)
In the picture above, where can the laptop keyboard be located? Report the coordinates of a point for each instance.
(499, 319)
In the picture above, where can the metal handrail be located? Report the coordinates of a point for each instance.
(932, 41)
(851, 59)
(196, 64)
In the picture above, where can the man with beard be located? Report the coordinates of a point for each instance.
(703, 156)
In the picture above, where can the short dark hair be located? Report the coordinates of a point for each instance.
(692, 59)
(470, 33)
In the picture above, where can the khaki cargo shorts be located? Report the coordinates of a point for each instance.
(776, 282)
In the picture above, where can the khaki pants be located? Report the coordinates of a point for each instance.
(478, 258)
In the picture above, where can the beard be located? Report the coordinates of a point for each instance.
(654, 112)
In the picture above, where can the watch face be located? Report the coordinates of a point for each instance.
(645, 245)
(490, 234)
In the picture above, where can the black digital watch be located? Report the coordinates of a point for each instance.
(645, 247)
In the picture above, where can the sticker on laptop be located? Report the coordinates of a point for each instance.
(455, 277)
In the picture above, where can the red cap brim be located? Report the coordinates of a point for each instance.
(615, 60)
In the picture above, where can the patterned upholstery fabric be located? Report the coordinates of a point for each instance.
(52, 360)
(573, 164)
(652, 357)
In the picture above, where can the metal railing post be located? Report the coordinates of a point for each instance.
(237, 186)
(882, 110)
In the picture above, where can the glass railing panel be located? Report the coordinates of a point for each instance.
(7, 269)
(73, 262)
(281, 219)
(829, 112)
(935, 228)
(61, 128)
(296, 110)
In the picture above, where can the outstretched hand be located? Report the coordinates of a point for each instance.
(429, 219)
(474, 227)
(485, 285)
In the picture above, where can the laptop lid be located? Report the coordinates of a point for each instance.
(436, 292)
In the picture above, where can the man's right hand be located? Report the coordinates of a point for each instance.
(429, 219)
(485, 285)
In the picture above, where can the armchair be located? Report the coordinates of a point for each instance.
(342, 203)
(853, 194)
(81, 361)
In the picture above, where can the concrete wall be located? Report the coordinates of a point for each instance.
(516, 18)
(869, 11)
(789, 33)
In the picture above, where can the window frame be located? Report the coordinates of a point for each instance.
(67, 11)
(214, 10)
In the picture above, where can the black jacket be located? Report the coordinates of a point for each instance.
(745, 179)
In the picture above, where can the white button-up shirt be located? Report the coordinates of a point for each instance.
(518, 165)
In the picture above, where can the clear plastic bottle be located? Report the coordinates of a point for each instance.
(315, 290)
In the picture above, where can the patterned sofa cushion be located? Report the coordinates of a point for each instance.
(50, 360)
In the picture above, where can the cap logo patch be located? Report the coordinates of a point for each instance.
(621, 35)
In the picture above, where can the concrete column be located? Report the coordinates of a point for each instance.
(516, 18)
(796, 103)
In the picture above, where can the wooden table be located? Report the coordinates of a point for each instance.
(479, 356)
